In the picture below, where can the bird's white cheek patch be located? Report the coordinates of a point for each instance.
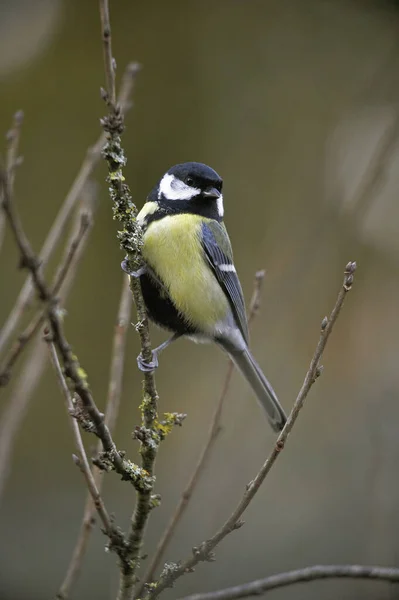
(175, 189)
(220, 208)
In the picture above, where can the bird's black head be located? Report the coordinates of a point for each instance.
(190, 188)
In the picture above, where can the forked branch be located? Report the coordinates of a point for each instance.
(91, 418)
(213, 433)
(111, 413)
(205, 551)
(116, 538)
(130, 238)
(33, 327)
(90, 161)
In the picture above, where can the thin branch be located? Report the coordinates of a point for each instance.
(12, 161)
(130, 238)
(87, 412)
(17, 406)
(213, 433)
(111, 412)
(71, 249)
(55, 234)
(83, 227)
(118, 355)
(78, 554)
(260, 586)
(27, 383)
(109, 61)
(204, 552)
(13, 136)
(81, 460)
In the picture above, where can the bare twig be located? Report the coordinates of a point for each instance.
(260, 586)
(27, 383)
(79, 551)
(16, 409)
(204, 552)
(111, 412)
(88, 413)
(118, 355)
(213, 432)
(116, 538)
(13, 147)
(81, 460)
(55, 234)
(109, 61)
(71, 248)
(12, 161)
(131, 241)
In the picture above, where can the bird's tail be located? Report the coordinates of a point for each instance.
(264, 392)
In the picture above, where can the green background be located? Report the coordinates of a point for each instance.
(289, 102)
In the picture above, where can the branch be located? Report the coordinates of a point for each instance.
(213, 433)
(204, 552)
(109, 61)
(118, 355)
(88, 413)
(111, 412)
(12, 161)
(130, 237)
(80, 460)
(116, 538)
(55, 234)
(260, 586)
(13, 136)
(17, 407)
(35, 364)
(71, 250)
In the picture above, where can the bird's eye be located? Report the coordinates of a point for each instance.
(190, 181)
(219, 186)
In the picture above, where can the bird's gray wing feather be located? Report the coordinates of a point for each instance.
(216, 244)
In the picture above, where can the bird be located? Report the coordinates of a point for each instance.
(188, 279)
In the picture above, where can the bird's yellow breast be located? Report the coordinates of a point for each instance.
(172, 248)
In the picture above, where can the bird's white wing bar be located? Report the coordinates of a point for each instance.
(226, 274)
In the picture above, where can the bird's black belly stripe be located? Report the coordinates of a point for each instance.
(161, 309)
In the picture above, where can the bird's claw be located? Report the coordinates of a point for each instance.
(136, 274)
(147, 367)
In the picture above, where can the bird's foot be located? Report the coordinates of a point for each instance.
(136, 274)
(148, 367)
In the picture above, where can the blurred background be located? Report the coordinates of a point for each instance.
(295, 104)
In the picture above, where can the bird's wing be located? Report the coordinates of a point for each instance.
(219, 254)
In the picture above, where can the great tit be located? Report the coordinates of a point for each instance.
(189, 282)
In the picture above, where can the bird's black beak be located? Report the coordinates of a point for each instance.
(211, 193)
